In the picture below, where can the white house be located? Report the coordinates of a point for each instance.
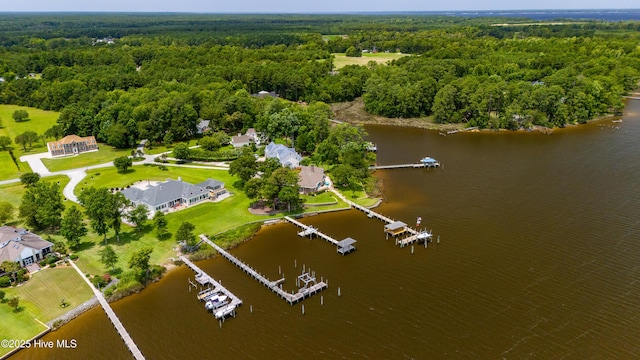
(21, 246)
(251, 136)
(288, 157)
(174, 193)
(203, 126)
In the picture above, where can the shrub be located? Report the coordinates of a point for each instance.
(106, 278)
(5, 281)
(2, 293)
(98, 282)
(42, 263)
(52, 265)
(73, 257)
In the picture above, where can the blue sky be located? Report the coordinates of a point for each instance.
(304, 6)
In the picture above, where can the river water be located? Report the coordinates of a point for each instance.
(539, 258)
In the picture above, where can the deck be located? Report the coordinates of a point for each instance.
(291, 298)
(205, 280)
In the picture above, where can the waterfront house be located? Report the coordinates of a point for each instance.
(172, 194)
(72, 145)
(22, 246)
(287, 157)
(310, 179)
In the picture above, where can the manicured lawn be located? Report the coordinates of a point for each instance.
(17, 325)
(13, 192)
(322, 198)
(341, 60)
(105, 154)
(209, 218)
(40, 298)
(8, 169)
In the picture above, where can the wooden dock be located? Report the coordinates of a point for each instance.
(137, 354)
(310, 231)
(420, 236)
(205, 280)
(342, 247)
(404, 166)
(274, 286)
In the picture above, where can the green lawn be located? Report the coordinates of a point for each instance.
(341, 60)
(105, 154)
(8, 169)
(40, 121)
(13, 192)
(209, 218)
(40, 298)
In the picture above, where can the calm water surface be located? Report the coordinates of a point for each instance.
(539, 259)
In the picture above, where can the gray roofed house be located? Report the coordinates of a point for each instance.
(311, 179)
(173, 193)
(287, 156)
(251, 136)
(203, 126)
(21, 246)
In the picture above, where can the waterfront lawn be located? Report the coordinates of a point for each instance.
(42, 294)
(341, 60)
(40, 298)
(323, 202)
(208, 217)
(105, 154)
(17, 325)
(358, 196)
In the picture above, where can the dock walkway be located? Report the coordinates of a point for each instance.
(404, 166)
(204, 279)
(310, 230)
(415, 234)
(137, 354)
(271, 285)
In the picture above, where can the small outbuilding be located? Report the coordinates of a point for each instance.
(346, 246)
(395, 228)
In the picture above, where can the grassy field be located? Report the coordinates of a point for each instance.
(105, 154)
(13, 192)
(341, 60)
(40, 121)
(40, 299)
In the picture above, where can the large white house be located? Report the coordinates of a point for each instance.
(288, 157)
(21, 246)
(173, 193)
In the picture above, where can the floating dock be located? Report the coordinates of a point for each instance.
(204, 279)
(274, 286)
(342, 247)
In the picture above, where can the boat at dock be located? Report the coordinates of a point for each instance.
(216, 302)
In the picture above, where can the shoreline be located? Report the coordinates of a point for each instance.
(353, 113)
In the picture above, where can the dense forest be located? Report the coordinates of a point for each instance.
(126, 77)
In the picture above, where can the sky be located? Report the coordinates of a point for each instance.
(304, 6)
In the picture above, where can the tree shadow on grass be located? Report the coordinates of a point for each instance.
(19, 309)
(85, 245)
(115, 271)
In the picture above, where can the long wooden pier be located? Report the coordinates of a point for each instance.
(137, 354)
(401, 166)
(204, 279)
(274, 286)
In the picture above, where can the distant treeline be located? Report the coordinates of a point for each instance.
(124, 77)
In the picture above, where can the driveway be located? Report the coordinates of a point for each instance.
(35, 161)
